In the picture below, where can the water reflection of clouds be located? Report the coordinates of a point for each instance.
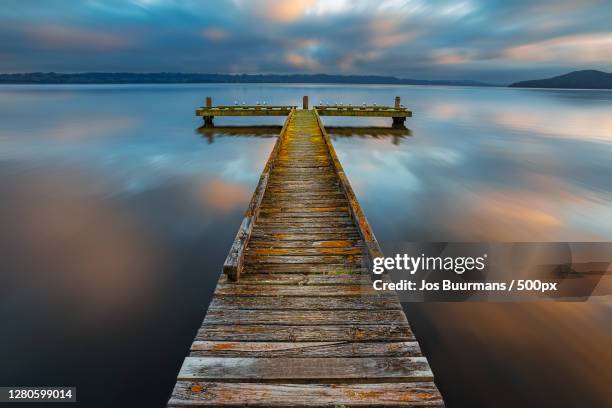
(542, 117)
(83, 250)
(135, 161)
(248, 165)
(222, 196)
(465, 206)
(588, 126)
(446, 110)
(531, 344)
(489, 168)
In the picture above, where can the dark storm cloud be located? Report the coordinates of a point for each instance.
(497, 41)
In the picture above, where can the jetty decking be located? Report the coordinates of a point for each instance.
(294, 321)
(398, 112)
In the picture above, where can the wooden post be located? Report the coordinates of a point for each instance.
(397, 102)
(305, 102)
(208, 102)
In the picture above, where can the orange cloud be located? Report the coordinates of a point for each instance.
(279, 10)
(450, 56)
(450, 59)
(214, 34)
(587, 48)
(300, 61)
(63, 37)
(388, 31)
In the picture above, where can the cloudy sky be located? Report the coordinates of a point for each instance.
(490, 40)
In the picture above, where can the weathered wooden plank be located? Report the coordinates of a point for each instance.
(342, 214)
(303, 155)
(287, 229)
(289, 369)
(305, 151)
(304, 317)
(301, 279)
(342, 219)
(312, 206)
(298, 178)
(244, 111)
(302, 259)
(304, 166)
(214, 394)
(340, 243)
(374, 302)
(304, 218)
(298, 171)
(305, 163)
(297, 189)
(304, 175)
(304, 208)
(303, 184)
(303, 195)
(305, 349)
(306, 268)
(286, 290)
(369, 111)
(320, 222)
(288, 186)
(302, 236)
(305, 333)
(235, 258)
(292, 251)
(300, 203)
(299, 153)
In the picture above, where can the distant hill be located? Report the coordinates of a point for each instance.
(184, 78)
(587, 79)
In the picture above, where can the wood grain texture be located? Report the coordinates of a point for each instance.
(301, 279)
(308, 244)
(290, 369)
(262, 332)
(306, 303)
(215, 394)
(339, 269)
(304, 236)
(286, 290)
(305, 349)
(305, 317)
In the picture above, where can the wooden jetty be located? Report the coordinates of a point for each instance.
(294, 321)
(398, 113)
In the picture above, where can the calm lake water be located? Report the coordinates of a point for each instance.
(117, 215)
